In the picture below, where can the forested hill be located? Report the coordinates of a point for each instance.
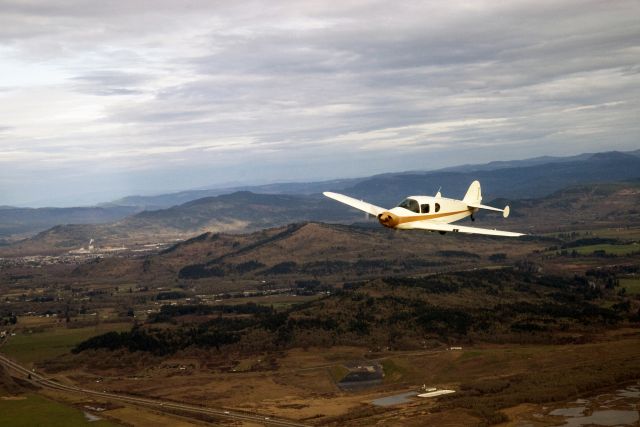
(506, 305)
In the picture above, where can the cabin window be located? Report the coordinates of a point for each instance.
(411, 205)
(437, 207)
(425, 208)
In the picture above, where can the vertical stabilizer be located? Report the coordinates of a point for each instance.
(474, 194)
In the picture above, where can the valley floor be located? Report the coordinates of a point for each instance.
(514, 383)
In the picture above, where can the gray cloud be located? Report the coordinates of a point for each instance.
(258, 90)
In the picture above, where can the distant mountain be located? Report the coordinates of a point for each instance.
(178, 215)
(512, 182)
(241, 210)
(339, 252)
(237, 212)
(27, 221)
(420, 182)
(163, 201)
(577, 207)
(516, 163)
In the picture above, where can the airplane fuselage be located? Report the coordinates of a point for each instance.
(425, 208)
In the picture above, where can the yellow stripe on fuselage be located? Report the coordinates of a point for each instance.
(413, 218)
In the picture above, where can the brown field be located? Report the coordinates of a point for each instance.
(302, 387)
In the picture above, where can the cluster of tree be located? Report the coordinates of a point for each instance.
(589, 241)
(606, 276)
(171, 295)
(311, 287)
(285, 267)
(248, 266)
(8, 318)
(43, 298)
(431, 284)
(314, 268)
(159, 341)
(458, 254)
(396, 310)
(200, 271)
(169, 312)
(497, 257)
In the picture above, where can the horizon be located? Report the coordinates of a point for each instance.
(101, 102)
(233, 187)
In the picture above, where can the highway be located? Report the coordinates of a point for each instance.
(157, 404)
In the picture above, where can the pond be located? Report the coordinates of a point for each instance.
(396, 399)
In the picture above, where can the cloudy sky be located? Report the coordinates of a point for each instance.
(101, 99)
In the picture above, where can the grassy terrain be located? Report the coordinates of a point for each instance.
(394, 370)
(616, 233)
(277, 301)
(338, 372)
(631, 285)
(37, 411)
(609, 249)
(627, 233)
(38, 346)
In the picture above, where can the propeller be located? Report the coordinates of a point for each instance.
(388, 219)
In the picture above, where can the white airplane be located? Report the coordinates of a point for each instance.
(430, 213)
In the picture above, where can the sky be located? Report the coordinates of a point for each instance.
(103, 99)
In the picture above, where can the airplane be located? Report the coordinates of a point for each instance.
(430, 213)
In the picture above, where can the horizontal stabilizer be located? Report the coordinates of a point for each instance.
(355, 203)
(505, 211)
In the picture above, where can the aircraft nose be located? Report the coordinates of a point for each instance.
(388, 219)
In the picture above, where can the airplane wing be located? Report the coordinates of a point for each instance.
(439, 226)
(355, 203)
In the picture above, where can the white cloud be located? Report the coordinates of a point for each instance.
(247, 87)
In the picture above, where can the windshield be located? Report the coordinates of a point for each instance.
(410, 204)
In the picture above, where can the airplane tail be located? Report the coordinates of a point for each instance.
(474, 194)
(473, 199)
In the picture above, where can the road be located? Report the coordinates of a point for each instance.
(157, 404)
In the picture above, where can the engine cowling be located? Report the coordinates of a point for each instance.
(388, 219)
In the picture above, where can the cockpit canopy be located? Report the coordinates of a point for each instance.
(410, 204)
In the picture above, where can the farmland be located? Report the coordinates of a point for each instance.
(43, 412)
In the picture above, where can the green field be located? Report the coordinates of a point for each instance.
(394, 369)
(631, 285)
(338, 372)
(37, 411)
(612, 233)
(38, 346)
(609, 249)
(617, 233)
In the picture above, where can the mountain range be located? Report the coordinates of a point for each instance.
(337, 252)
(580, 207)
(244, 211)
(583, 168)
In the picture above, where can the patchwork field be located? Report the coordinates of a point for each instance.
(32, 345)
(623, 249)
(32, 410)
(632, 286)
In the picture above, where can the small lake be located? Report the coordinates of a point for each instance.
(618, 408)
(610, 417)
(396, 399)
